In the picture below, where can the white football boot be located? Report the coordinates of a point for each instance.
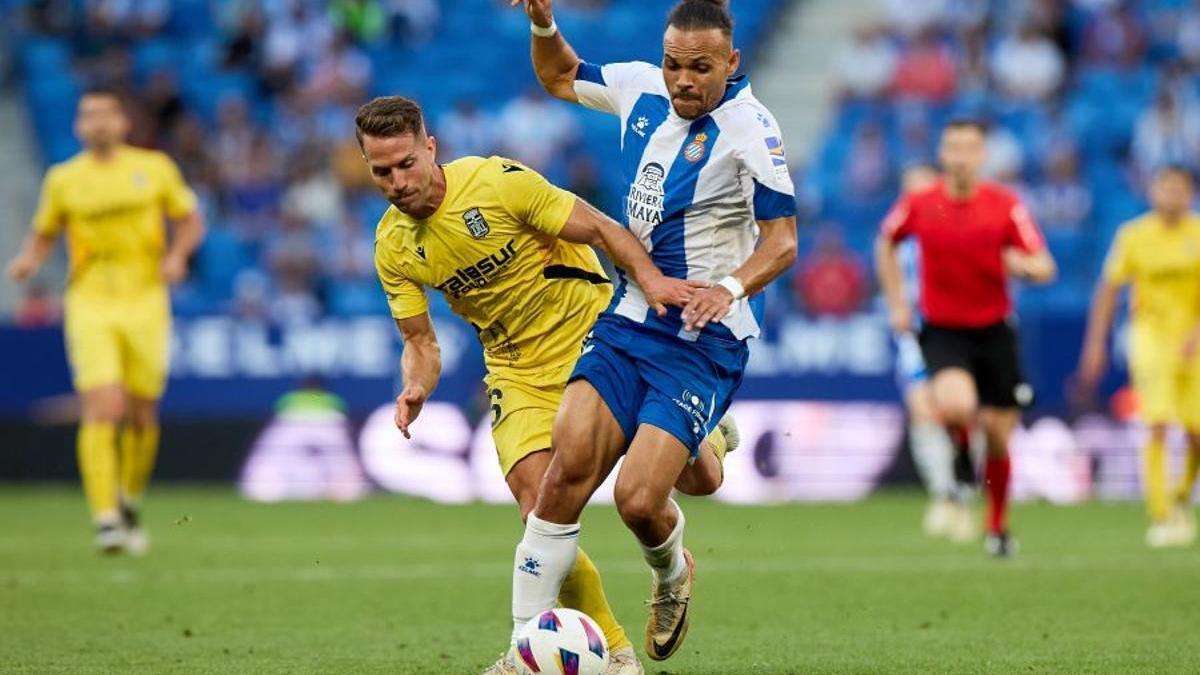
(939, 518)
(1184, 522)
(137, 542)
(1161, 535)
(964, 524)
(110, 538)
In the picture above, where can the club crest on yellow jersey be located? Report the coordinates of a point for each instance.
(477, 225)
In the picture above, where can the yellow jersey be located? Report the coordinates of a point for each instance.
(492, 250)
(1162, 265)
(113, 214)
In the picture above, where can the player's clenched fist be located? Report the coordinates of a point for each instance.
(540, 12)
(408, 406)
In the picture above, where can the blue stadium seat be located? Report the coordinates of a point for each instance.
(44, 58)
(205, 91)
(356, 298)
(155, 55)
(219, 260)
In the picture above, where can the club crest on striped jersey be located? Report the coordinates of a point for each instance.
(695, 151)
(477, 225)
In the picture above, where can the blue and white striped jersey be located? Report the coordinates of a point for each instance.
(910, 362)
(694, 188)
(910, 269)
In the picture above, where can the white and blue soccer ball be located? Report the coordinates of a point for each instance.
(561, 642)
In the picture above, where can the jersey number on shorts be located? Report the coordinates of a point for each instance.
(495, 395)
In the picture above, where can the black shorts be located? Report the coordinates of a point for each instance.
(989, 354)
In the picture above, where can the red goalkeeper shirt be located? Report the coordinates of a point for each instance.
(961, 242)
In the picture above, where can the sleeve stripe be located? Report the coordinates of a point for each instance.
(769, 204)
(590, 72)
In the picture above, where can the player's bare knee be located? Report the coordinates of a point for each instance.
(565, 489)
(709, 483)
(637, 504)
(957, 413)
(920, 404)
(105, 405)
(526, 508)
(570, 470)
(527, 498)
(525, 478)
(699, 481)
(525, 482)
(576, 440)
(141, 414)
(955, 397)
(1158, 433)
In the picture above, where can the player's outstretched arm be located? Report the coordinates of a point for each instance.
(554, 60)
(775, 254)
(33, 254)
(1038, 267)
(420, 366)
(587, 225)
(1094, 359)
(891, 281)
(1027, 256)
(186, 235)
(48, 222)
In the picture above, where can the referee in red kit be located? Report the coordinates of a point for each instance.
(972, 236)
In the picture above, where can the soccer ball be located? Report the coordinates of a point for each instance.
(562, 642)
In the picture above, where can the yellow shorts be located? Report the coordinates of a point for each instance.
(119, 342)
(1168, 391)
(523, 414)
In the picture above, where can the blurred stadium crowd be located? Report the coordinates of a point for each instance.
(1084, 98)
(255, 100)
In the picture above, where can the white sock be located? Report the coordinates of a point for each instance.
(934, 455)
(544, 557)
(666, 560)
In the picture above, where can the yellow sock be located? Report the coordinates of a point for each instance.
(1154, 480)
(139, 449)
(582, 590)
(1187, 482)
(97, 452)
(716, 440)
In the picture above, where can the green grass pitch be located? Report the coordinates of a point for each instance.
(393, 585)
